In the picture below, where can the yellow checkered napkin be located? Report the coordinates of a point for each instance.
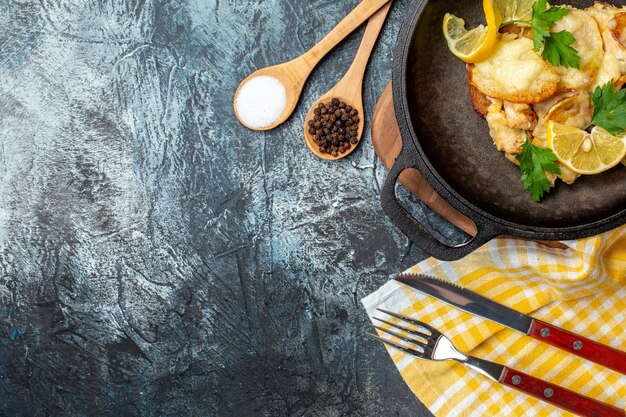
(581, 289)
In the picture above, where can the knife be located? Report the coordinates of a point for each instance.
(478, 305)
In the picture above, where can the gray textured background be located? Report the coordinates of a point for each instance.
(157, 258)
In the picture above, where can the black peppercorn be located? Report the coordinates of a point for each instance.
(334, 127)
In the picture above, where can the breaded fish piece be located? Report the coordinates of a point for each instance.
(520, 115)
(571, 109)
(574, 109)
(480, 102)
(589, 46)
(515, 72)
(611, 21)
(506, 138)
(567, 175)
(609, 71)
(615, 42)
(603, 13)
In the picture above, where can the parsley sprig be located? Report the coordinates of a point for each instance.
(609, 113)
(557, 46)
(609, 109)
(534, 163)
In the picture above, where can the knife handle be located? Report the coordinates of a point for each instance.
(558, 396)
(578, 345)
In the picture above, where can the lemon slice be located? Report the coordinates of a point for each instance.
(514, 10)
(586, 153)
(474, 45)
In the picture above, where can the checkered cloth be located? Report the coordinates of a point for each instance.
(580, 288)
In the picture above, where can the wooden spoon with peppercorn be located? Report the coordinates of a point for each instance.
(267, 97)
(334, 125)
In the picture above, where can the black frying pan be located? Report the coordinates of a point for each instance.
(450, 145)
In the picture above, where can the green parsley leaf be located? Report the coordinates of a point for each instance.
(543, 19)
(558, 50)
(534, 162)
(609, 109)
(557, 47)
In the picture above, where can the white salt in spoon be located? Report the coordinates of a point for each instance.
(267, 98)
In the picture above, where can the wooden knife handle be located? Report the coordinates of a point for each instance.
(578, 345)
(560, 397)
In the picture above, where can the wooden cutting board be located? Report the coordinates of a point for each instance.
(387, 143)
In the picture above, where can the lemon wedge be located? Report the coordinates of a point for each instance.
(514, 10)
(474, 45)
(586, 153)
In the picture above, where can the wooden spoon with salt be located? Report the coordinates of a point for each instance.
(293, 74)
(350, 88)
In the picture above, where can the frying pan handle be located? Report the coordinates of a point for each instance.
(414, 230)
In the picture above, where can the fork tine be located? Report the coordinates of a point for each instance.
(401, 337)
(416, 332)
(410, 351)
(431, 329)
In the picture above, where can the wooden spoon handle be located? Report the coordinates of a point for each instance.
(357, 16)
(351, 85)
(374, 26)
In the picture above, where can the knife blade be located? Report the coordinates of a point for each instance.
(478, 305)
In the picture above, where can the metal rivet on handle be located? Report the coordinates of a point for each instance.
(578, 345)
(516, 380)
(548, 393)
(545, 332)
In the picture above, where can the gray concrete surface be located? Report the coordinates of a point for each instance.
(157, 258)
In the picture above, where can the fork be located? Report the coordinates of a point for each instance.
(425, 342)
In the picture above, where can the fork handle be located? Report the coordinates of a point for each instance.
(558, 396)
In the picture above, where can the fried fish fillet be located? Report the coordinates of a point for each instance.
(589, 46)
(480, 102)
(515, 72)
(611, 21)
(619, 31)
(609, 71)
(573, 109)
(602, 13)
(506, 138)
(520, 115)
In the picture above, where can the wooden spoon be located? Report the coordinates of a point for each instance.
(350, 88)
(293, 74)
